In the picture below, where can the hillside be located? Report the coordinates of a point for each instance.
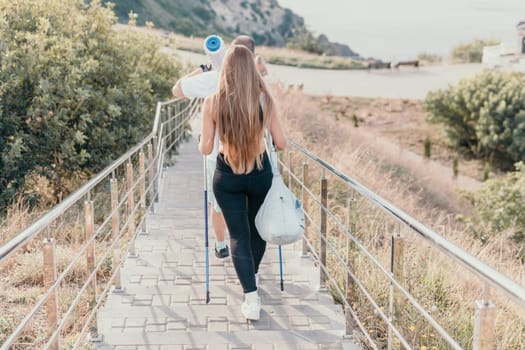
(265, 20)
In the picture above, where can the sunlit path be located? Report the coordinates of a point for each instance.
(163, 305)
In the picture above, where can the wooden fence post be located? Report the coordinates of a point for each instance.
(115, 233)
(350, 287)
(484, 322)
(50, 276)
(131, 210)
(305, 206)
(323, 237)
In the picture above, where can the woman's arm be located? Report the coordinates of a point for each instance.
(279, 139)
(177, 88)
(261, 66)
(207, 127)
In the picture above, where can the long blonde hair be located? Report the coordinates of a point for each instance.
(236, 109)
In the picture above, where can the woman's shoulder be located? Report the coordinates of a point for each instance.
(206, 105)
(208, 100)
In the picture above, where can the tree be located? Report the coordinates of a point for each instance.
(74, 93)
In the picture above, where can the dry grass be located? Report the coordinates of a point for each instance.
(273, 55)
(441, 286)
(22, 277)
(17, 217)
(354, 153)
(401, 124)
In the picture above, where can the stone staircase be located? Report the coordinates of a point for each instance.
(163, 305)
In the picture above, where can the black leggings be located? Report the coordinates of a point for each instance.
(240, 197)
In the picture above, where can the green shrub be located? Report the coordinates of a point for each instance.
(304, 40)
(455, 167)
(484, 116)
(203, 13)
(74, 93)
(471, 52)
(499, 207)
(427, 147)
(429, 57)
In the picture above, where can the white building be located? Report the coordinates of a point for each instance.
(521, 37)
(505, 56)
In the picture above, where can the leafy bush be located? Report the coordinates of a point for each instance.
(484, 116)
(428, 57)
(203, 13)
(499, 207)
(74, 93)
(304, 40)
(471, 52)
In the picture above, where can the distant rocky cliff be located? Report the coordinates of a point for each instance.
(265, 20)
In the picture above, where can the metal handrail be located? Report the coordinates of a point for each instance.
(163, 139)
(22, 238)
(377, 264)
(486, 274)
(44, 221)
(484, 271)
(165, 136)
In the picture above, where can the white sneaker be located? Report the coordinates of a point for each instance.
(251, 307)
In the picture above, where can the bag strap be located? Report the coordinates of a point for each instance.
(272, 153)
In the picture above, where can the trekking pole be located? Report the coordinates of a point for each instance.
(206, 231)
(281, 266)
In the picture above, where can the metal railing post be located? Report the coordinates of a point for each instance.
(484, 322)
(90, 258)
(290, 170)
(115, 233)
(142, 175)
(157, 145)
(164, 152)
(176, 129)
(350, 285)
(173, 127)
(131, 210)
(90, 253)
(322, 238)
(305, 201)
(151, 182)
(50, 276)
(396, 268)
(179, 127)
(171, 135)
(142, 189)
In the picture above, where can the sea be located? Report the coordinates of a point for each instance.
(395, 30)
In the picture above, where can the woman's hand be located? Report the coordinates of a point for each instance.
(207, 127)
(279, 139)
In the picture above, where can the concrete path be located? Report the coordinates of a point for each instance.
(164, 305)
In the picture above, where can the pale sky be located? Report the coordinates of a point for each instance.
(400, 29)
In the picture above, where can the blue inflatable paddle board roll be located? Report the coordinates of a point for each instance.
(213, 43)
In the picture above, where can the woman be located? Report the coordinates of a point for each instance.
(261, 66)
(243, 174)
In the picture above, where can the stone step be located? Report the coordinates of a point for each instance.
(225, 339)
(163, 302)
(269, 290)
(130, 298)
(186, 261)
(199, 315)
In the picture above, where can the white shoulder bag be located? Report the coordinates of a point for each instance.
(280, 219)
